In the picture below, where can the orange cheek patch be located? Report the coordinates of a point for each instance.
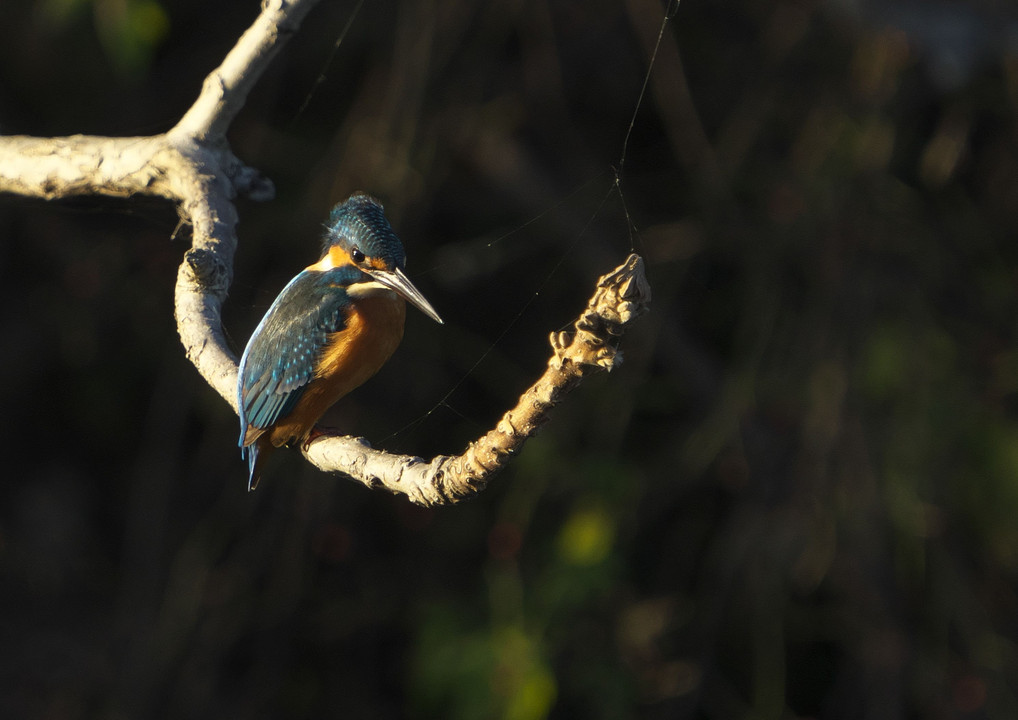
(336, 257)
(339, 256)
(377, 263)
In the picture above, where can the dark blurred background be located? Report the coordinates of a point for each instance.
(797, 498)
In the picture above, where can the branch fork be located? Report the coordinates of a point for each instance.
(192, 165)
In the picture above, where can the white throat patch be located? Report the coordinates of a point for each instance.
(368, 289)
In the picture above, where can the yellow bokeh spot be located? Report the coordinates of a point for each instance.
(522, 677)
(148, 22)
(587, 536)
(534, 697)
(130, 31)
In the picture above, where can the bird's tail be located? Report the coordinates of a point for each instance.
(257, 453)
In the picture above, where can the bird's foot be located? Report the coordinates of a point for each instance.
(317, 432)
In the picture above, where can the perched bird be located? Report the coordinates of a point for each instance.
(331, 328)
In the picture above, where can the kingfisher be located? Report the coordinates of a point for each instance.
(329, 330)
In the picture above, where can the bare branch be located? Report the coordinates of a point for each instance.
(79, 165)
(225, 90)
(193, 165)
(621, 296)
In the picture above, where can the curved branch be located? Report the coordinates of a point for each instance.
(207, 271)
(203, 280)
(193, 165)
(621, 296)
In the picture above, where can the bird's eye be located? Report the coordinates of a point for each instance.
(357, 255)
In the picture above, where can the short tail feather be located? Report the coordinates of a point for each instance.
(256, 453)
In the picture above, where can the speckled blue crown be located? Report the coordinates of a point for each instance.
(360, 222)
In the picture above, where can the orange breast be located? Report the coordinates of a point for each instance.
(373, 331)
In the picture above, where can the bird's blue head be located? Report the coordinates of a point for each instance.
(359, 227)
(359, 234)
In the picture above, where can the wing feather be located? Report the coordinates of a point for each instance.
(279, 360)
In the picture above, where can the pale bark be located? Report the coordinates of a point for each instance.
(193, 166)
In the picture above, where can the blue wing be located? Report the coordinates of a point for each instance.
(280, 357)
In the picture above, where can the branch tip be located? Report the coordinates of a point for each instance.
(620, 296)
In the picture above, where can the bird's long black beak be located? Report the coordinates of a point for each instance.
(398, 281)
